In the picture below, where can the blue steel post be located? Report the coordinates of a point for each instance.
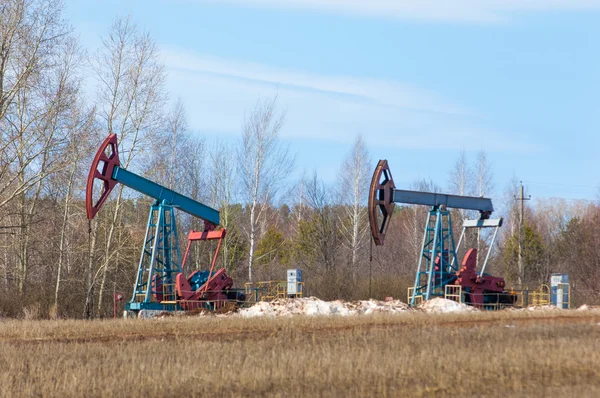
(438, 242)
(420, 263)
(451, 247)
(432, 258)
(140, 274)
(159, 262)
(153, 256)
(175, 243)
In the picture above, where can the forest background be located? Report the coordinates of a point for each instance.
(54, 263)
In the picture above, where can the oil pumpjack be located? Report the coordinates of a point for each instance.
(437, 264)
(160, 283)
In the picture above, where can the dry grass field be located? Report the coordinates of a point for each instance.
(504, 354)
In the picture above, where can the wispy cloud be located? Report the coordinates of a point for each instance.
(436, 10)
(325, 108)
(381, 92)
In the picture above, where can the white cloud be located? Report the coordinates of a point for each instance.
(438, 10)
(383, 92)
(322, 108)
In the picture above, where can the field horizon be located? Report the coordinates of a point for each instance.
(507, 353)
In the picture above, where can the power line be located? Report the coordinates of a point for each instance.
(559, 184)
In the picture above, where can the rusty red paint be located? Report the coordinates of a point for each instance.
(216, 284)
(477, 285)
(104, 174)
(213, 290)
(381, 201)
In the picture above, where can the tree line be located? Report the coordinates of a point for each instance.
(56, 263)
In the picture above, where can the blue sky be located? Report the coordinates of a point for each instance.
(420, 80)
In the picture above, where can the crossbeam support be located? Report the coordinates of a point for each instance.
(483, 205)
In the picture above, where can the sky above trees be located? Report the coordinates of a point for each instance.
(419, 81)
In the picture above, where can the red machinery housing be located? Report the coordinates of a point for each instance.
(481, 289)
(213, 292)
(201, 289)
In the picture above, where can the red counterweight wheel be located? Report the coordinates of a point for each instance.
(102, 168)
(381, 201)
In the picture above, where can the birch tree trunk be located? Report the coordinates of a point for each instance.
(92, 234)
(485, 185)
(264, 162)
(222, 181)
(354, 188)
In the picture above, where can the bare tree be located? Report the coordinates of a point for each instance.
(509, 210)
(485, 185)
(264, 163)
(461, 176)
(319, 237)
(37, 90)
(78, 149)
(354, 187)
(131, 96)
(461, 179)
(177, 126)
(168, 167)
(78, 127)
(31, 33)
(484, 174)
(223, 195)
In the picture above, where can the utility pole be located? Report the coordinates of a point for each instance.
(522, 199)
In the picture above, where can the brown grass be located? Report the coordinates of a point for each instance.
(482, 354)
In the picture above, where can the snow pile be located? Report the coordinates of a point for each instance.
(439, 304)
(543, 308)
(586, 307)
(371, 306)
(314, 306)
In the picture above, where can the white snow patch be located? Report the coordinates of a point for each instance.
(314, 306)
(439, 304)
(586, 307)
(543, 308)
